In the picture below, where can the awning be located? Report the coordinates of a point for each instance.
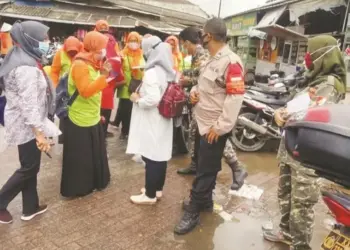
(257, 34)
(297, 10)
(271, 17)
(280, 31)
(268, 24)
(83, 17)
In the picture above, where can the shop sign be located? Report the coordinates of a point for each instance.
(239, 25)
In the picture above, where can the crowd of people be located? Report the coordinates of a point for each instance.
(140, 74)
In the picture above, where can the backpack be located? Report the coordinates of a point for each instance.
(63, 100)
(173, 101)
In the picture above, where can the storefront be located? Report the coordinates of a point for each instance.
(245, 46)
(283, 48)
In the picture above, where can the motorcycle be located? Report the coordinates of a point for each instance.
(255, 124)
(305, 135)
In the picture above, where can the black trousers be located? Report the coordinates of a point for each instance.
(155, 176)
(61, 127)
(106, 113)
(24, 179)
(125, 106)
(209, 164)
(117, 119)
(197, 141)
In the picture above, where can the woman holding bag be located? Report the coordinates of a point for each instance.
(151, 135)
(132, 60)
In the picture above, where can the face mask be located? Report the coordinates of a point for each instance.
(103, 53)
(44, 47)
(133, 45)
(146, 54)
(205, 43)
(309, 63)
(184, 50)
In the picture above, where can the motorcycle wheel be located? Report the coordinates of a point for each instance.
(246, 139)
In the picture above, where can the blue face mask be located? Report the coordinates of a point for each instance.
(44, 47)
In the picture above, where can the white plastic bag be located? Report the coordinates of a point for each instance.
(3, 144)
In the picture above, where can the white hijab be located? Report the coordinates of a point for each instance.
(159, 56)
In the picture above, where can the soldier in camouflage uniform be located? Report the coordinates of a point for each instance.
(298, 189)
(190, 38)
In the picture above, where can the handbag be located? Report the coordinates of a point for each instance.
(173, 101)
(134, 83)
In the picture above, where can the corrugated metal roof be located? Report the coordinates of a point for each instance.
(188, 19)
(56, 14)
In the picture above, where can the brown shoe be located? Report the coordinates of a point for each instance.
(5, 217)
(28, 217)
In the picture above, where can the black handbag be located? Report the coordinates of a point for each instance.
(134, 83)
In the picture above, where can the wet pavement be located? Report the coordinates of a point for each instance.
(107, 220)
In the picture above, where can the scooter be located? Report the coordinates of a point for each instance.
(256, 125)
(305, 136)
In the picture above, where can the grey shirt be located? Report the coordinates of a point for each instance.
(26, 108)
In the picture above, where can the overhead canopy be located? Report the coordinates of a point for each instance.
(280, 31)
(257, 33)
(299, 9)
(271, 17)
(268, 24)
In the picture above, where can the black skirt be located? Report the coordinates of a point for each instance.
(85, 164)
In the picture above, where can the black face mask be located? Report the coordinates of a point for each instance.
(205, 43)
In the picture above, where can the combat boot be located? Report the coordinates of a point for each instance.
(208, 208)
(188, 222)
(190, 170)
(239, 174)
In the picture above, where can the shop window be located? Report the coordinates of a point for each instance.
(286, 52)
(302, 51)
(294, 53)
(280, 47)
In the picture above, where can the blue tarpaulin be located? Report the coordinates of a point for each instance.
(40, 3)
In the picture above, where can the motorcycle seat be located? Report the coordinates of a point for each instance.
(340, 198)
(270, 100)
(269, 90)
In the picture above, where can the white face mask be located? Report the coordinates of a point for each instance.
(133, 45)
(103, 53)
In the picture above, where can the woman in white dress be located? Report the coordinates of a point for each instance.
(151, 135)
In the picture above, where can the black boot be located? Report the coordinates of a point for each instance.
(238, 175)
(190, 170)
(186, 207)
(188, 222)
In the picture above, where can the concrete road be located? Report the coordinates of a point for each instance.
(107, 220)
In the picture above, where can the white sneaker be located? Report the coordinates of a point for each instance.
(142, 199)
(159, 194)
(28, 217)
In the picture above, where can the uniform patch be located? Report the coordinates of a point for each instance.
(234, 80)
